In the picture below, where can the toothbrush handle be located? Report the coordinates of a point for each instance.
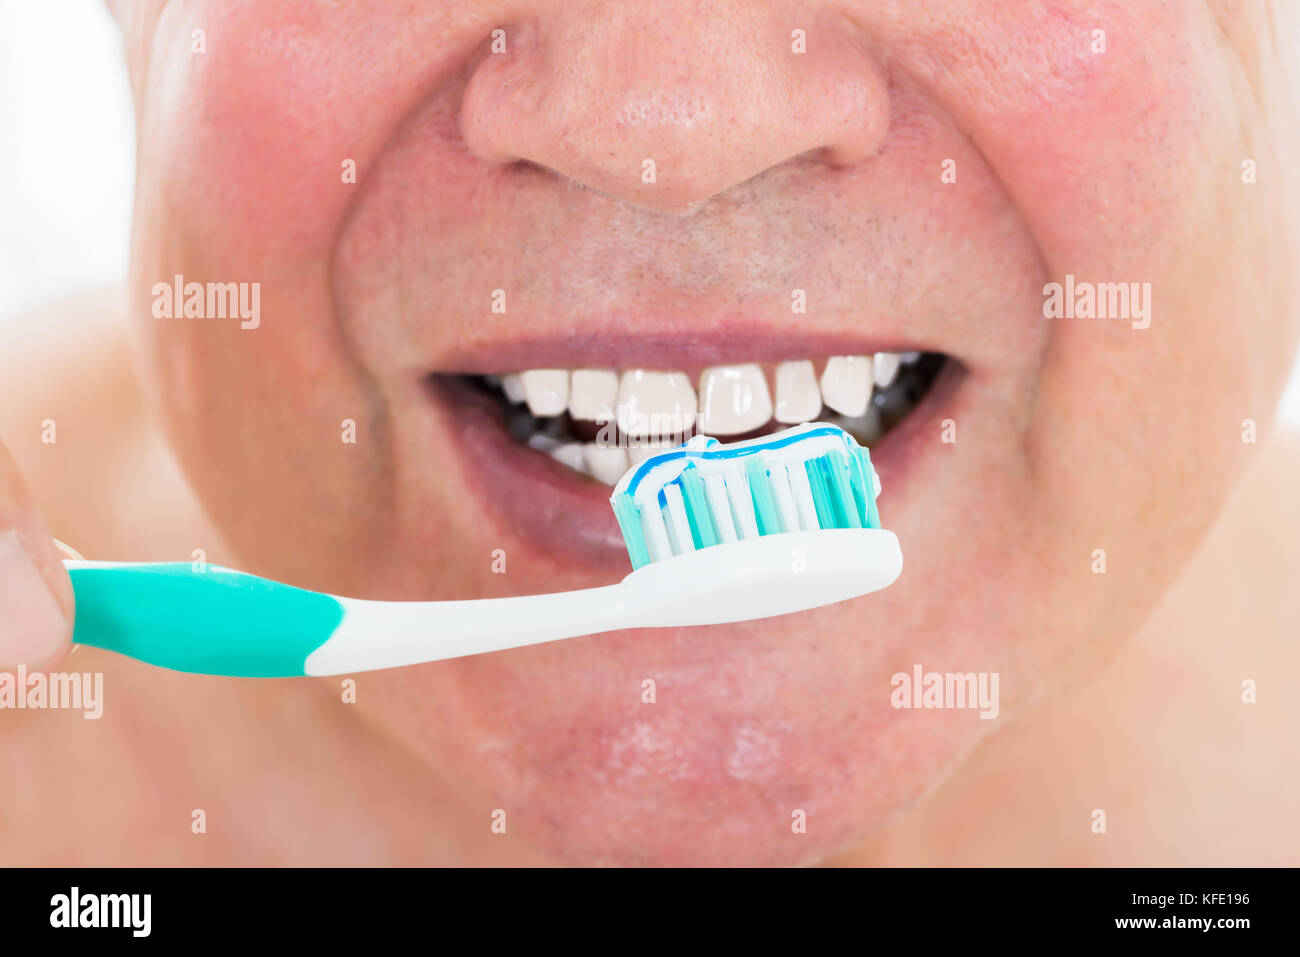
(212, 621)
(224, 622)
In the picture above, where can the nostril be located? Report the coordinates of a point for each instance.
(507, 106)
(858, 125)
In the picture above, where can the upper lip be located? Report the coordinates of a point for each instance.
(669, 346)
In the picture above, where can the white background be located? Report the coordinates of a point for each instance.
(67, 156)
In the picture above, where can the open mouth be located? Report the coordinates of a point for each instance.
(599, 422)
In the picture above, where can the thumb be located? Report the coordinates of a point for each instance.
(36, 605)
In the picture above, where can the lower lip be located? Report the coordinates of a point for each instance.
(567, 516)
(550, 507)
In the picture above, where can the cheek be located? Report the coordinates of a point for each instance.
(241, 147)
(251, 135)
(1125, 163)
(1101, 118)
(243, 150)
(254, 135)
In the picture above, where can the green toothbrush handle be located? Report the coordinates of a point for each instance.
(216, 621)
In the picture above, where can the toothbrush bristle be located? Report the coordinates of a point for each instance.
(705, 493)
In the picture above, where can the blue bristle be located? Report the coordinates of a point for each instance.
(822, 500)
(629, 522)
(698, 512)
(864, 471)
(765, 512)
(846, 509)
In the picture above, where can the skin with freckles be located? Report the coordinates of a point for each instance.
(774, 171)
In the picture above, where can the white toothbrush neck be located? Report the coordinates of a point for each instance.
(382, 634)
(738, 581)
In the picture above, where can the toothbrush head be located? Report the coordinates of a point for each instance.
(704, 493)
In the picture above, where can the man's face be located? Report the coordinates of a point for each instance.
(921, 172)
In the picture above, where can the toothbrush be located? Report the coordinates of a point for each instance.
(716, 533)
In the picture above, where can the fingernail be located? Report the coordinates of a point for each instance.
(32, 626)
(68, 551)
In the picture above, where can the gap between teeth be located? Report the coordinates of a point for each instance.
(726, 400)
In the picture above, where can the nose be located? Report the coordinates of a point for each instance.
(667, 104)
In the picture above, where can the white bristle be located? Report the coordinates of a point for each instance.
(656, 535)
(679, 527)
(716, 488)
(783, 497)
(803, 497)
(742, 506)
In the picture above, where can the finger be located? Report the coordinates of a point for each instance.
(36, 604)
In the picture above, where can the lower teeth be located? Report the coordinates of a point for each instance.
(574, 445)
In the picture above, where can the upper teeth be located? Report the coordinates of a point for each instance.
(546, 390)
(592, 394)
(885, 367)
(734, 399)
(654, 403)
(846, 384)
(649, 405)
(730, 400)
(797, 397)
